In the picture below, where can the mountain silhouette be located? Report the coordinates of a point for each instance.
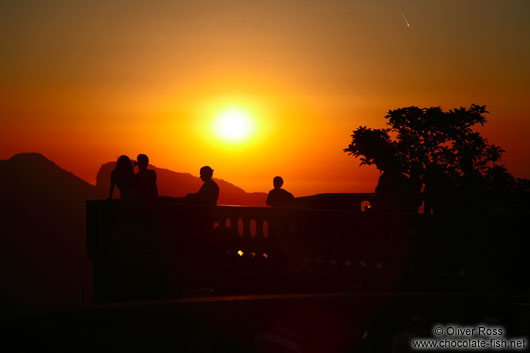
(43, 233)
(43, 252)
(176, 184)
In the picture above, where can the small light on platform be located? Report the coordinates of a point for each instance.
(240, 252)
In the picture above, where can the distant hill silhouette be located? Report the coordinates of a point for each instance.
(43, 246)
(176, 184)
(43, 233)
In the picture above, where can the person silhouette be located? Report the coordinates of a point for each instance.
(413, 197)
(472, 187)
(145, 180)
(123, 177)
(278, 196)
(439, 191)
(392, 188)
(209, 191)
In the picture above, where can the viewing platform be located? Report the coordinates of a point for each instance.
(165, 249)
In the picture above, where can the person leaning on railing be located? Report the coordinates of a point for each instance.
(209, 191)
(123, 177)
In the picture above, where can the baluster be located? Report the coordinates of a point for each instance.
(246, 238)
(234, 234)
(259, 238)
(246, 227)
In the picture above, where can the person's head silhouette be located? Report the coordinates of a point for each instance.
(206, 173)
(277, 182)
(124, 163)
(387, 162)
(143, 161)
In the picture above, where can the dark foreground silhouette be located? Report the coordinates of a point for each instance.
(270, 279)
(43, 234)
(255, 279)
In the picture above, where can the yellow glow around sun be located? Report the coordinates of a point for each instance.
(234, 125)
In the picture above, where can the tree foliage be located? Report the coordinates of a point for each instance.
(423, 138)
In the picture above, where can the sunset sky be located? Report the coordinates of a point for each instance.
(83, 82)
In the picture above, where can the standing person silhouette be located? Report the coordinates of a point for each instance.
(209, 191)
(123, 177)
(278, 196)
(145, 180)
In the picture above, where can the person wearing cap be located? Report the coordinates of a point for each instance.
(209, 191)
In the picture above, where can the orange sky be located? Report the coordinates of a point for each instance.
(84, 82)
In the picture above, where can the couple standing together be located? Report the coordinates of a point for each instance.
(140, 186)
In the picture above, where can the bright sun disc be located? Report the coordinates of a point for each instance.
(233, 125)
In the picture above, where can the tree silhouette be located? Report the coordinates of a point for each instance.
(424, 139)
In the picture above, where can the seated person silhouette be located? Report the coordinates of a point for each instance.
(145, 180)
(209, 191)
(439, 191)
(123, 177)
(392, 187)
(413, 197)
(471, 189)
(278, 196)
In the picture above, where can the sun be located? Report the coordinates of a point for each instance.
(234, 125)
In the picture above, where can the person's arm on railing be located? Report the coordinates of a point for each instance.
(111, 191)
(156, 186)
(112, 183)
